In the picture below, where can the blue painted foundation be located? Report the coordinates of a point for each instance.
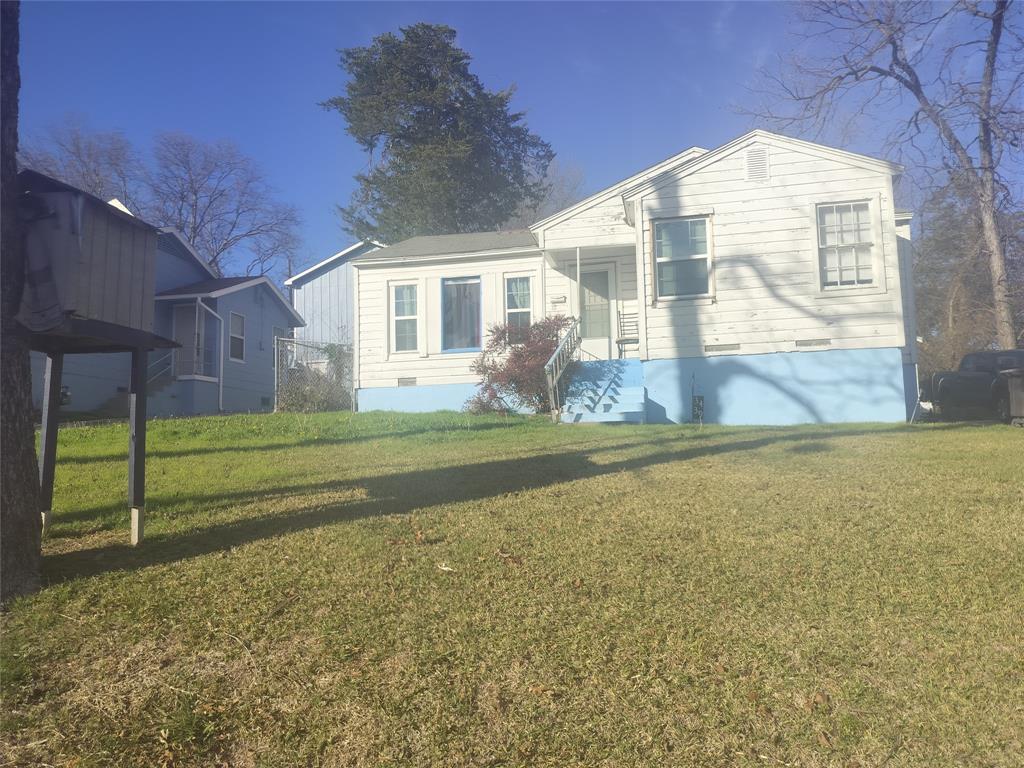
(826, 386)
(419, 399)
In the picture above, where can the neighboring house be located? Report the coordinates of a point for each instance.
(323, 295)
(225, 327)
(762, 282)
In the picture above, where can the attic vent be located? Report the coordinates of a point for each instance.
(407, 381)
(757, 164)
(721, 347)
(814, 342)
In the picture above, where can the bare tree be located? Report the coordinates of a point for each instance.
(104, 164)
(20, 524)
(947, 78)
(563, 184)
(217, 197)
(220, 201)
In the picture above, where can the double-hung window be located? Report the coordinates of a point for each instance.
(845, 245)
(236, 348)
(682, 257)
(517, 307)
(404, 316)
(460, 314)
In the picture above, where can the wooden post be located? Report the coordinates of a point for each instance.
(137, 445)
(48, 447)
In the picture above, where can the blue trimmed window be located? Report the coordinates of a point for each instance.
(460, 314)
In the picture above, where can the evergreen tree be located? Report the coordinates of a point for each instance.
(446, 154)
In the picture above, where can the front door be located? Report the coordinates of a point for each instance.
(596, 314)
(188, 336)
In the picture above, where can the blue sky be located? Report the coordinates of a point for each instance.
(613, 87)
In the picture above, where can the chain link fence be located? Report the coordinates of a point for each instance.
(312, 376)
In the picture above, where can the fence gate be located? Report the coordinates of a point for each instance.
(312, 376)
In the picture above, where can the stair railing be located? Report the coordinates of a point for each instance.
(159, 367)
(559, 363)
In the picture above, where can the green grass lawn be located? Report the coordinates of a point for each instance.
(453, 590)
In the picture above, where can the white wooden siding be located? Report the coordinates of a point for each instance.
(379, 367)
(603, 223)
(767, 279)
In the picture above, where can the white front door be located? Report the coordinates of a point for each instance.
(597, 315)
(189, 337)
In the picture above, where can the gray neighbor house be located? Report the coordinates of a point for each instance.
(225, 327)
(322, 294)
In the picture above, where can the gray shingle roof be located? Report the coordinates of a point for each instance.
(206, 286)
(440, 245)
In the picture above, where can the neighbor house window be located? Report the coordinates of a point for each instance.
(236, 348)
(682, 257)
(460, 313)
(517, 307)
(405, 318)
(845, 245)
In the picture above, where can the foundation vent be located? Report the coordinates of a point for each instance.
(407, 381)
(814, 342)
(757, 163)
(721, 347)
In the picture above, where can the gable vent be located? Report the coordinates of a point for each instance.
(757, 164)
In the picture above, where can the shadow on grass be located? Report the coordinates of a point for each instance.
(405, 492)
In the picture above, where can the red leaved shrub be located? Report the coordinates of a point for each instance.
(511, 367)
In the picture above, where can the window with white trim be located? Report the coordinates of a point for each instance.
(845, 245)
(682, 257)
(461, 319)
(404, 337)
(517, 307)
(236, 344)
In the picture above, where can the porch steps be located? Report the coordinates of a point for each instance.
(606, 392)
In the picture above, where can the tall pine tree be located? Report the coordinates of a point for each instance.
(446, 154)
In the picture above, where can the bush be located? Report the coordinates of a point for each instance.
(511, 367)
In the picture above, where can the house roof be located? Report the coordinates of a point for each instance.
(340, 257)
(221, 286)
(443, 245)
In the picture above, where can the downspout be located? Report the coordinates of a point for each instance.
(579, 289)
(220, 357)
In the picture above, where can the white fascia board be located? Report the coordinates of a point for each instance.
(329, 259)
(773, 139)
(442, 257)
(685, 156)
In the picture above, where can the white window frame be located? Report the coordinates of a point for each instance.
(708, 256)
(504, 292)
(232, 335)
(878, 280)
(393, 318)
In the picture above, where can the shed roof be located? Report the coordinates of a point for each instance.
(442, 245)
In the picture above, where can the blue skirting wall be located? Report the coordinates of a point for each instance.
(826, 386)
(419, 399)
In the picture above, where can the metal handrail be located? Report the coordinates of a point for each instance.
(559, 362)
(165, 359)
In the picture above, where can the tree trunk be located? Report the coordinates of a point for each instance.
(20, 526)
(1006, 334)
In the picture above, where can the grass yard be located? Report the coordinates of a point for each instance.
(451, 590)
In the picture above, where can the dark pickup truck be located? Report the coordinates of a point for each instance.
(978, 385)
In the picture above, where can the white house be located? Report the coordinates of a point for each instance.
(762, 282)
